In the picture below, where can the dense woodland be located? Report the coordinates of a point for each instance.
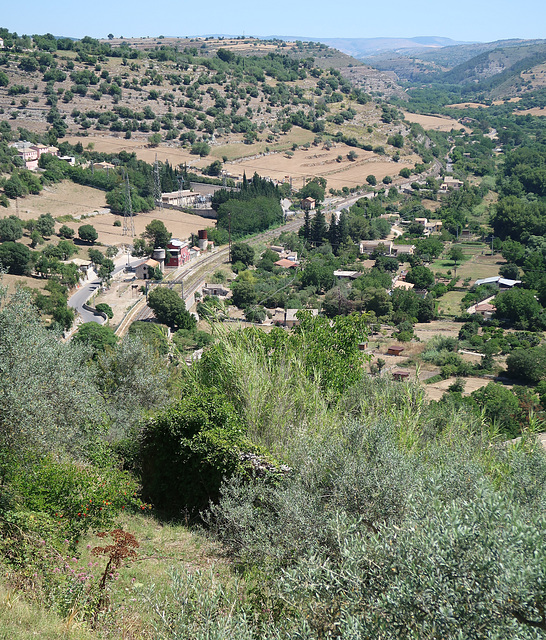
(307, 494)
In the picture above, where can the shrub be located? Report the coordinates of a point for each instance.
(105, 308)
(188, 449)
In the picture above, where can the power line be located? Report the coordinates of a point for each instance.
(128, 222)
(157, 185)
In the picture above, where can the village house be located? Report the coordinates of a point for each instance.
(103, 166)
(430, 226)
(450, 183)
(145, 270)
(215, 290)
(285, 263)
(485, 310)
(308, 204)
(30, 153)
(389, 248)
(287, 317)
(369, 246)
(402, 284)
(347, 275)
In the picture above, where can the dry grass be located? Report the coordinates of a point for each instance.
(466, 105)
(62, 199)
(436, 123)
(70, 199)
(436, 390)
(535, 111)
(22, 620)
(318, 161)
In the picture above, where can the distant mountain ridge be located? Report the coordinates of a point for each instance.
(368, 47)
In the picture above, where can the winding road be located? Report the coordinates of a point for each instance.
(80, 298)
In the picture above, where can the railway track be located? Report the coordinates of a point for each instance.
(192, 275)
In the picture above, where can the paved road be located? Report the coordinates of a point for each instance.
(78, 299)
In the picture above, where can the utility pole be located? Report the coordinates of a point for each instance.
(229, 236)
(180, 183)
(128, 222)
(157, 185)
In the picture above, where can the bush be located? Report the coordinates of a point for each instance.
(77, 496)
(88, 233)
(105, 308)
(66, 232)
(188, 449)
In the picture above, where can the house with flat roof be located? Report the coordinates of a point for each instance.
(288, 317)
(369, 246)
(181, 198)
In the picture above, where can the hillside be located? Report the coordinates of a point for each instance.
(205, 100)
(503, 68)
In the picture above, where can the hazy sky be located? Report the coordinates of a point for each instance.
(480, 20)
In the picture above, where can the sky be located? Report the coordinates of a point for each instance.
(464, 20)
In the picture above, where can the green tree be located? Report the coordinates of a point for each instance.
(242, 252)
(456, 254)
(188, 449)
(156, 234)
(421, 277)
(105, 308)
(169, 309)
(11, 229)
(371, 180)
(520, 306)
(500, 406)
(106, 269)
(319, 229)
(528, 365)
(244, 294)
(15, 257)
(315, 189)
(66, 232)
(96, 256)
(45, 225)
(88, 233)
(95, 336)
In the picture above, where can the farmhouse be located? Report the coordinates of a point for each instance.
(287, 317)
(431, 226)
(369, 246)
(104, 166)
(450, 183)
(30, 153)
(402, 284)
(308, 204)
(403, 249)
(285, 263)
(347, 275)
(215, 290)
(485, 309)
